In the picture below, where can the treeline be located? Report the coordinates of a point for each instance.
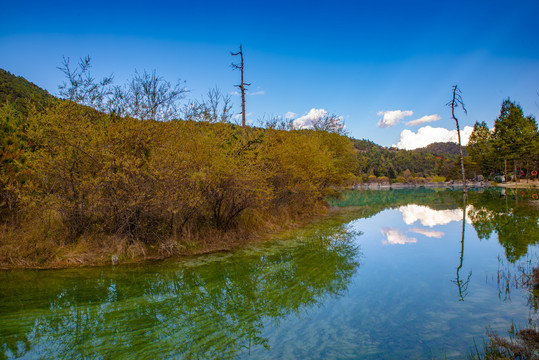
(511, 148)
(71, 171)
(377, 163)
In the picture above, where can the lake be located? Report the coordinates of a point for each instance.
(396, 274)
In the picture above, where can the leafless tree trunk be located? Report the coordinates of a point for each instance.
(454, 103)
(242, 85)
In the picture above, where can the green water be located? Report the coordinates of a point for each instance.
(394, 275)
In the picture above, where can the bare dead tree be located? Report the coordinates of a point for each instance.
(242, 85)
(455, 102)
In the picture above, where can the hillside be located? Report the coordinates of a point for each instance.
(375, 160)
(21, 93)
(443, 148)
(371, 158)
(78, 185)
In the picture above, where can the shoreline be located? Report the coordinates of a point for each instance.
(118, 251)
(447, 185)
(519, 185)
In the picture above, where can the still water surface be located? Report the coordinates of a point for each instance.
(395, 274)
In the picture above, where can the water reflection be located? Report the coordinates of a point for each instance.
(505, 212)
(396, 237)
(523, 341)
(428, 233)
(426, 216)
(463, 284)
(295, 298)
(213, 310)
(513, 219)
(429, 217)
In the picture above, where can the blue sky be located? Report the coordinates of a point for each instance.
(362, 60)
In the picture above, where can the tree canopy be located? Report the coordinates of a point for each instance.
(514, 139)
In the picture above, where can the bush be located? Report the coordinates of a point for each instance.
(150, 180)
(437, 179)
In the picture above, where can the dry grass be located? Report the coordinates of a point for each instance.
(39, 241)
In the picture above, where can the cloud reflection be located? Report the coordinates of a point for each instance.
(428, 233)
(396, 237)
(429, 217)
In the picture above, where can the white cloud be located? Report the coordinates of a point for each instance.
(428, 233)
(290, 115)
(424, 119)
(428, 135)
(392, 118)
(395, 237)
(258, 92)
(430, 217)
(307, 121)
(320, 119)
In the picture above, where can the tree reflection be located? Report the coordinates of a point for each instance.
(514, 220)
(463, 284)
(216, 309)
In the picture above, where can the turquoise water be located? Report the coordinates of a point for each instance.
(394, 275)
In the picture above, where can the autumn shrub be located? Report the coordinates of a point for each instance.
(65, 163)
(301, 164)
(437, 179)
(13, 145)
(151, 181)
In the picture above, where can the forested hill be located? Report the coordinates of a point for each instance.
(21, 93)
(443, 148)
(438, 148)
(437, 159)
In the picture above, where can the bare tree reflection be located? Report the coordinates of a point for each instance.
(463, 284)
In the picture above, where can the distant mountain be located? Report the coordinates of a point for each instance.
(443, 148)
(439, 148)
(22, 93)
